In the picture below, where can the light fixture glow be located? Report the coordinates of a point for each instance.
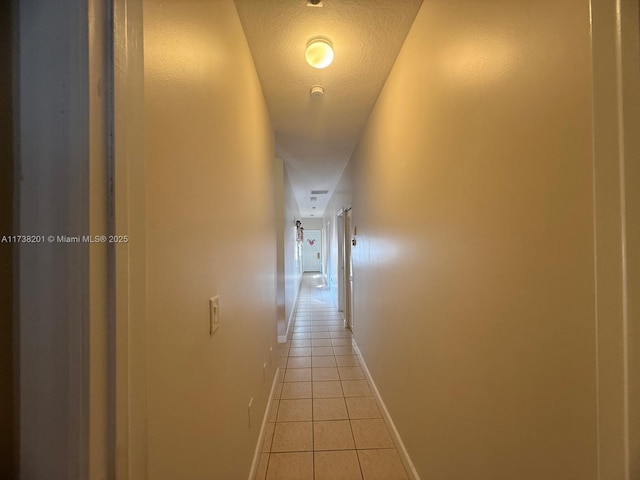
(319, 53)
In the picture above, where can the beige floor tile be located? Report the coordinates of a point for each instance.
(329, 409)
(290, 466)
(371, 433)
(321, 351)
(300, 352)
(340, 465)
(341, 334)
(319, 328)
(363, 407)
(346, 350)
(299, 362)
(293, 437)
(300, 336)
(356, 388)
(332, 389)
(351, 373)
(321, 374)
(337, 342)
(297, 375)
(328, 361)
(381, 465)
(301, 343)
(321, 342)
(332, 435)
(277, 391)
(273, 414)
(294, 390)
(336, 328)
(320, 335)
(347, 361)
(268, 437)
(294, 410)
(281, 362)
(261, 472)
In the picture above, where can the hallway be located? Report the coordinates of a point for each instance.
(472, 168)
(325, 423)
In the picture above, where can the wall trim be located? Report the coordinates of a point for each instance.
(402, 450)
(263, 428)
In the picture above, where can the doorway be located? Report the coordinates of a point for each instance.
(312, 251)
(348, 270)
(345, 266)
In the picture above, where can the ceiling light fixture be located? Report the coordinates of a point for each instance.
(319, 52)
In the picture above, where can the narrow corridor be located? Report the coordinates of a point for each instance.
(325, 423)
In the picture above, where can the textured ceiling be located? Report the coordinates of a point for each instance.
(316, 136)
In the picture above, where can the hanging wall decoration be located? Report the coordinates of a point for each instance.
(299, 231)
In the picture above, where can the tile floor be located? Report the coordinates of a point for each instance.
(324, 422)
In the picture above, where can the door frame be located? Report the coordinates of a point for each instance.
(615, 37)
(340, 272)
(345, 285)
(348, 270)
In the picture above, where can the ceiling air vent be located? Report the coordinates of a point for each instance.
(319, 192)
(314, 3)
(313, 199)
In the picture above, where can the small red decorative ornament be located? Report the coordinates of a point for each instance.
(311, 241)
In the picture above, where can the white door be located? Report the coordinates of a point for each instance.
(312, 251)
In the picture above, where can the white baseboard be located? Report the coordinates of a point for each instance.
(263, 427)
(285, 338)
(402, 451)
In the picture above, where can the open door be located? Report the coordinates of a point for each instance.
(348, 269)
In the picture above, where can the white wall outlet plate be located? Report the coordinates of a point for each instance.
(214, 314)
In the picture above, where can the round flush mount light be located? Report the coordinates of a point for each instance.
(319, 52)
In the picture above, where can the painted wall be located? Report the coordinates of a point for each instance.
(211, 229)
(280, 251)
(312, 223)
(291, 254)
(474, 269)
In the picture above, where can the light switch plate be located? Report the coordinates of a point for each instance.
(214, 314)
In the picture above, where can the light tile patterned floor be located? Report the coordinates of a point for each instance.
(324, 423)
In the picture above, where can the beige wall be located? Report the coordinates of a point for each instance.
(474, 269)
(288, 262)
(211, 230)
(292, 261)
(312, 223)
